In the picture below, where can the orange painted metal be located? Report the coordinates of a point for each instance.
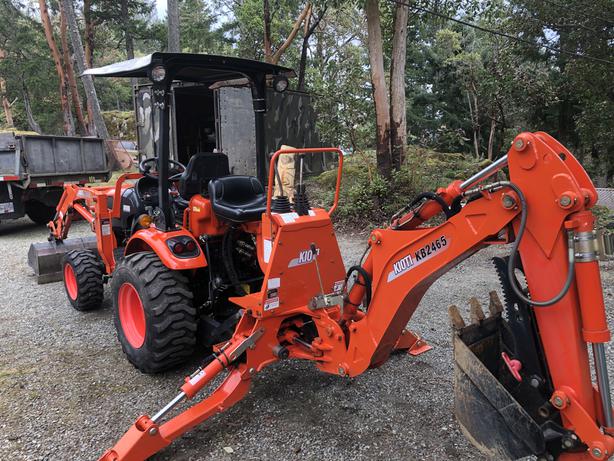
(201, 220)
(92, 204)
(152, 239)
(401, 265)
(412, 343)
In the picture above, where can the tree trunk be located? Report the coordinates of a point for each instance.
(172, 12)
(6, 105)
(266, 16)
(89, 32)
(55, 54)
(491, 137)
(70, 73)
(473, 114)
(32, 123)
(310, 28)
(378, 82)
(88, 83)
(293, 33)
(476, 125)
(128, 38)
(398, 108)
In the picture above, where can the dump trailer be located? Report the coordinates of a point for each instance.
(34, 170)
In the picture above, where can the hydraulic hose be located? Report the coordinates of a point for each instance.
(367, 279)
(512, 259)
(227, 246)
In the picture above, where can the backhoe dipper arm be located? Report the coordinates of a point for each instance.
(544, 204)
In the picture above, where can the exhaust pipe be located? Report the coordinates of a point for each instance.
(45, 258)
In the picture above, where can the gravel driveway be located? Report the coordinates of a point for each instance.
(67, 392)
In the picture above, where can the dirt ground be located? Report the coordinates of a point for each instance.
(67, 392)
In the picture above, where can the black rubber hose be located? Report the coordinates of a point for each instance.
(227, 247)
(367, 284)
(433, 196)
(511, 265)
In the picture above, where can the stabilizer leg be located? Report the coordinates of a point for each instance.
(145, 437)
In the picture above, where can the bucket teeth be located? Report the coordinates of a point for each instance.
(476, 313)
(457, 320)
(495, 306)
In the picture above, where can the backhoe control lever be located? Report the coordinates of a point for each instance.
(323, 300)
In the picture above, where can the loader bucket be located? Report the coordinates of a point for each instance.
(489, 415)
(45, 258)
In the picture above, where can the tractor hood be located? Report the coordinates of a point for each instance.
(190, 67)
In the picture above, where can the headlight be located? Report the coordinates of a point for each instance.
(158, 74)
(280, 83)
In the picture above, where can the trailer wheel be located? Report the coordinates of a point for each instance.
(39, 212)
(82, 274)
(154, 314)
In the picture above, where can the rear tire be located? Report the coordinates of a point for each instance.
(39, 212)
(82, 274)
(154, 314)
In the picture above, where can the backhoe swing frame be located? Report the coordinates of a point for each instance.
(402, 264)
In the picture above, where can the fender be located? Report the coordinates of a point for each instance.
(152, 239)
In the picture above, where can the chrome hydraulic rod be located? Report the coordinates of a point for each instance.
(172, 404)
(485, 173)
(603, 383)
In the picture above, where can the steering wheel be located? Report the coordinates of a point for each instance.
(145, 168)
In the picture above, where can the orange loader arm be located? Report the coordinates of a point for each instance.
(543, 210)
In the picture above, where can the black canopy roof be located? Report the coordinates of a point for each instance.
(191, 67)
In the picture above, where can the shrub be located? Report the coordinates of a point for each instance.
(368, 199)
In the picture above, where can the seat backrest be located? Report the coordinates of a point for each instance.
(236, 190)
(200, 170)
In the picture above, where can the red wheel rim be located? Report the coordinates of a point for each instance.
(70, 281)
(131, 315)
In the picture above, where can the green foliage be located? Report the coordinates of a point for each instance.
(28, 67)
(605, 217)
(462, 85)
(120, 124)
(198, 31)
(338, 76)
(367, 199)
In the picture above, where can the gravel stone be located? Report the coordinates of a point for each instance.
(68, 393)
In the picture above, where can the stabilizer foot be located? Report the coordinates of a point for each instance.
(412, 343)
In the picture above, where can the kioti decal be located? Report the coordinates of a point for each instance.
(304, 257)
(406, 263)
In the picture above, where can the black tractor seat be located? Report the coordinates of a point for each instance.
(237, 198)
(200, 170)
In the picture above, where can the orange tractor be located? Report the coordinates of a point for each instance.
(523, 376)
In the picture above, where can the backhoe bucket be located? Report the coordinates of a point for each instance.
(489, 415)
(45, 258)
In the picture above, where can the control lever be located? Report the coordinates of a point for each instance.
(323, 300)
(314, 252)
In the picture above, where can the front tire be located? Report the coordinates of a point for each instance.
(39, 212)
(82, 275)
(154, 314)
